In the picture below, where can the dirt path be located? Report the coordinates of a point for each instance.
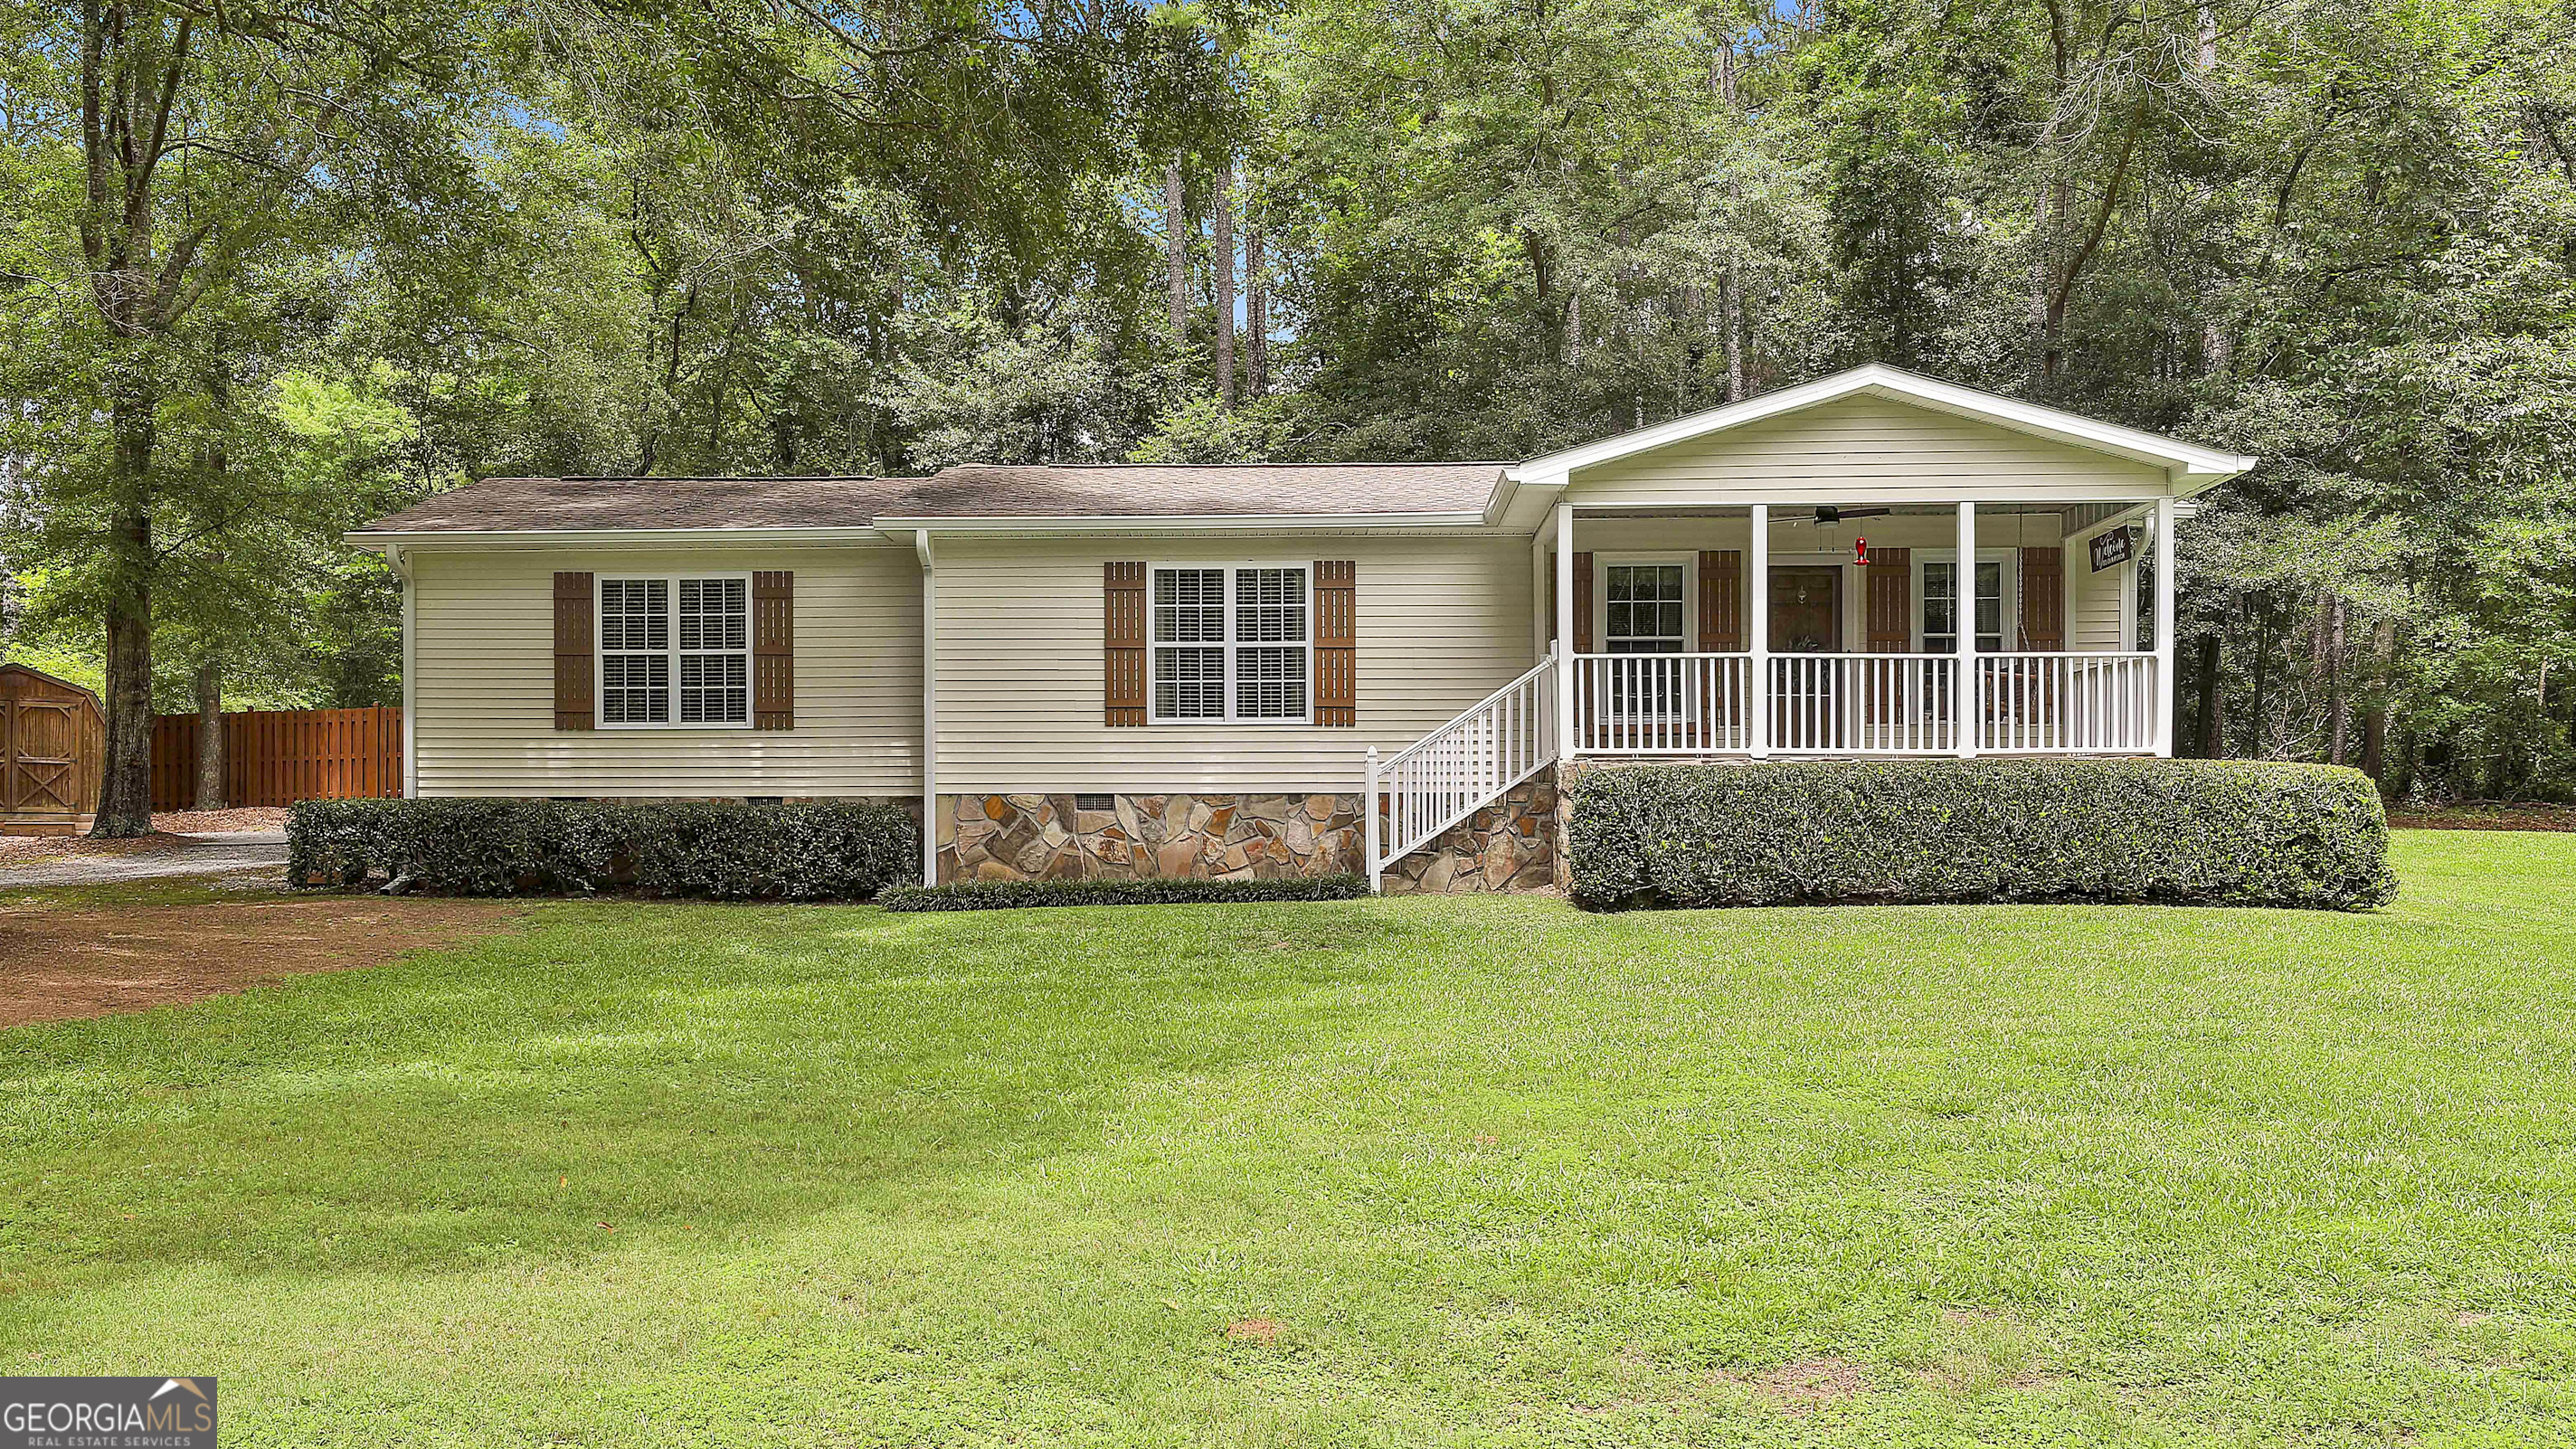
(60, 962)
(157, 857)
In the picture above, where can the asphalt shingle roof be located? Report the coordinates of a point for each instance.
(975, 490)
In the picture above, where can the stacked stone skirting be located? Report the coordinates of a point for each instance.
(1216, 837)
(1509, 845)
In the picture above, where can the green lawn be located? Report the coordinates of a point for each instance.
(1498, 1173)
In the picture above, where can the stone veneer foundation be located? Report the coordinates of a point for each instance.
(1216, 837)
(1509, 845)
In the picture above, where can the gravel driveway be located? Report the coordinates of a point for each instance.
(211, 854)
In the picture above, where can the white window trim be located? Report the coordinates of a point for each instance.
(1154, 646)
(1601, 562)
(599, 652)
(2011, 602)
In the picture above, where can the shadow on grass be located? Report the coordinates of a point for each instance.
(630, 1069)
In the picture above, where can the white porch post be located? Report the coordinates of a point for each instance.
(1566, 663)
(2167, 561)
(1757, 632)
(1368, 822)
(1539, 622)
(1967, 701)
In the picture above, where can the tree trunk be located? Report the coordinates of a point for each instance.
(1176, 251)
(1731, 311)
(1222, 254)
(2217, 352)
(2212, 743)
(210, 736)
(1256, 310)
(125, 787)
(2338, 698)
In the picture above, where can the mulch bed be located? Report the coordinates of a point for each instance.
(2486, 815)
(57, 963)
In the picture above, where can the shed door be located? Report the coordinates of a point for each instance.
(39, 739)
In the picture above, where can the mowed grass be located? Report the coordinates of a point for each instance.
(1452, 1172)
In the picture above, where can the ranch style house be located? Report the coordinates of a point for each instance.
(1214, 670)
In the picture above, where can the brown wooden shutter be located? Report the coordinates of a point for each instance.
(1583, 603)
(1721, 601)
(2043, 598)
(773, 651)
(1889, 581)
(1336, 643)
(1122, 640)
(576, 700)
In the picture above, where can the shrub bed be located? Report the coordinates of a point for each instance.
(822, 851)
(999, 895)
(2184, 832)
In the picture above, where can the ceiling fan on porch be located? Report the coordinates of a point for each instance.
(1828, 514)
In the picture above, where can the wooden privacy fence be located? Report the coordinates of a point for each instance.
(277, 757)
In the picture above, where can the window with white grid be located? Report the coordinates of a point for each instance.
(675, 651)
(1230, 643)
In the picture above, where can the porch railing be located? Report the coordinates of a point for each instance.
(2066, 703)
(1662, 704)
(1459, 768)
(1864, 704)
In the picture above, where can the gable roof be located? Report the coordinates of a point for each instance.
(1128, 496)
(2192, 467)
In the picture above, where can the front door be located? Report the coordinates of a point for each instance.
(1806, 610)
(1806, 618)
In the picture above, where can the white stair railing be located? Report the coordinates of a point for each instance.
(1459, 768)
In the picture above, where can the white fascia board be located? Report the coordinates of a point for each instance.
(1190, 523)
(622, 538)
(2192, 467)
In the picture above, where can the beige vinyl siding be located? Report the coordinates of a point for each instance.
(2093, 601)
(1442, 622)
(483, 699)
(1863, 446)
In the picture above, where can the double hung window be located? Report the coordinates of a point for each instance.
(1230, 643)
(1940, 607)
(675, 651)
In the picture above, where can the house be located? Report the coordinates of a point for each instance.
(1200, 670)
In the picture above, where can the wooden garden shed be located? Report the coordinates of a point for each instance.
(53, 738)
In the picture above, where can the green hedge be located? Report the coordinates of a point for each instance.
(1002, 895)
(825, 851)
(2186, 832)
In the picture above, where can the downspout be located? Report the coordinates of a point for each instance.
(929, 707)
(401, 565)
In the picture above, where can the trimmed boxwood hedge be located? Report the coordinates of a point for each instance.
(2185, 832)
(1001, 895)
(821, 851)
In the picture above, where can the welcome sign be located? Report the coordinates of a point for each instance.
(107, 1413)
(2112, 549)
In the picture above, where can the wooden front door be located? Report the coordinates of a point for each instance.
(1806, 610)
(1806, 618)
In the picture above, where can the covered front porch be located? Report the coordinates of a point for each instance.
(1851, 629)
